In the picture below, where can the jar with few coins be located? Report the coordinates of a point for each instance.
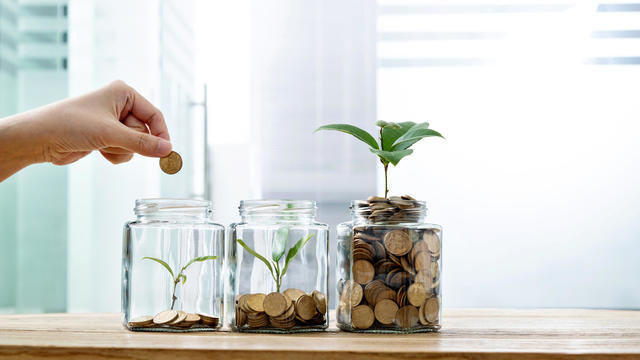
(172, 267)
(277, 268)
(389, 265)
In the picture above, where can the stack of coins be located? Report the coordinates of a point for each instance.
(396, 277)
(395, 209)
(292, 307)
(174, 319)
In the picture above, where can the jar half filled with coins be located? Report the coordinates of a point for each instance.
(278, 268)
(389, 265)
(172, 267)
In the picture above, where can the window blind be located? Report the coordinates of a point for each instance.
(427, 33)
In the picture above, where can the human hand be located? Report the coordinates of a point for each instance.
(115, 120)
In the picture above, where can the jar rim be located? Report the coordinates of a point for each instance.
(170, 205)
(277, 207)
(363, 203)
(388, 211)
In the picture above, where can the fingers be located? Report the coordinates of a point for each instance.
(138, 142)
(116, 158)
(143, 110)
(133, 123)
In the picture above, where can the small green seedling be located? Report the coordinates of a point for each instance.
(277, 251)
(181, 277)
(395, 140)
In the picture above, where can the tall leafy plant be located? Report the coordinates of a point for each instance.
(181, 277)
(394, 142)
(277, 252)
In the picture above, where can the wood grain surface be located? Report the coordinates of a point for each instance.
(466, 334)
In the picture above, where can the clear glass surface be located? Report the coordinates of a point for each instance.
(264, 224)
(368, 273)
(178, 233)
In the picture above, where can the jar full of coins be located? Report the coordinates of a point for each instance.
(389, 265)
(172, 267)
(278, 268)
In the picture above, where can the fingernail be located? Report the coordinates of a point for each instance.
(163, 148)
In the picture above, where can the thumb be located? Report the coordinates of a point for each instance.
(142, 143)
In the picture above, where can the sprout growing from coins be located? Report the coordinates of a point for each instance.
(395, 140)
(277, 252)
(181, 277)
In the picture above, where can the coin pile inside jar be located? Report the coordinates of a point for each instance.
(396, 279)
(292, 307)
(176, 319)
(395, 209)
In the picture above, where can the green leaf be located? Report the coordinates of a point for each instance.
(184, 278)
(166, 266)
(413, 135)
(353, 130)
(265, 261)
(279, 243)
(391, 133)
(393, 157)
(293, 251)
(198, 259)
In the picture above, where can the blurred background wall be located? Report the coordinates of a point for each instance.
(535, 184)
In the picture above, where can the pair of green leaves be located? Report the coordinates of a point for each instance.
(277, 251)
(395, 138)
(181, 276)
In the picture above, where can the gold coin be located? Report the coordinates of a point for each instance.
(241, 317)
(293, 294)
(165, 317)
(171, 163)
(207, 319)
(255, 302)
(275, 304)
(385, 294)
(433, 242)
(290, 313)
(432, 310)
(363, 271)
(192, 318)
(407, 317)
(434, 269)
(385, 311)
(257, 320)
(362, 317)
(422, 261)
(321, 301)
(306, 307)
(352, 293)
(398, 242)
(417, 294)
(180, 318)
(423, 321)
(141, 321)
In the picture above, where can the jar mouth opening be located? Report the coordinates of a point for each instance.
(364, 204)
(277, 207)
(394, 210)
(159, 206)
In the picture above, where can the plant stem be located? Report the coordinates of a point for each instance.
(386, 187)
(173, 297)
(386, 167)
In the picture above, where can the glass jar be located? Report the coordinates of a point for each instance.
(389, 264)
(278, 268)
(172, 267)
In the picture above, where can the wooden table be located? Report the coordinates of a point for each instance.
(467, 334)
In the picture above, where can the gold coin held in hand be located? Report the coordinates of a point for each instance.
(171, 163)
